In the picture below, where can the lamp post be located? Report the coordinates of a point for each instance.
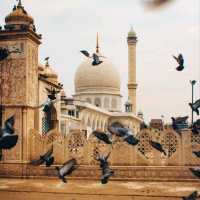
(193, 82)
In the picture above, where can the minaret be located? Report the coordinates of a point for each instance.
(132, 85)
(19, 78)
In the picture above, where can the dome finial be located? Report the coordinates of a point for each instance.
(97, 47)
(19, 3)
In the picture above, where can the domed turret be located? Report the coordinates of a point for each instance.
(132, 33)
(50, 73)
(101, 78)
(19, 16)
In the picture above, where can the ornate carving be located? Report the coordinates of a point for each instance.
(13, 84)
(144, 147)
(75, 146)
(170, 143)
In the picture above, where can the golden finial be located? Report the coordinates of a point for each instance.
(97, 47)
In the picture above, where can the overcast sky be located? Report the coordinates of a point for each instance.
(70, 25)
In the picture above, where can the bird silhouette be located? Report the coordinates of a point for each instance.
(125, 133)
(106, 171)
(157, 146)
(47, 158)
(192, 196)
(8, 138)
(196, 153)
(195, 106)
(195, 172)
(47, 105)
(67, 168)
(179, 123)
(196, 127)
(156, 3)
(106, 138)
(180, 61)
(4, 53)
(95, 57)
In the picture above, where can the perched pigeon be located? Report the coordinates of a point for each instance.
(179, 123)
(107, 138)
(47, 158)
(180, 61)
(196, 172)
(95, 57)
(126, 133)
(192, 196)
(106, 171)
(195, 106)
(197, 153)
(157, 146)
(66, 169)
(196, 127)
(8, 138)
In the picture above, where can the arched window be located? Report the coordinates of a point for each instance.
(114, 103)
(97, 102)
(106, 103)
(49, 120)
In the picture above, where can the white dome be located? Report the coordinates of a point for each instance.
(103, 78)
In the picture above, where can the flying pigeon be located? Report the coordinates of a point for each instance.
(197, 153)
(106, 171)
(95, 57)
(156, 3)
(125, 133)
(196, 172)
(195, 106)
(179, 123)
(50, 100)
(192, 196)
(157, 146)
(4, 53)
(8, 138)
(47, 158)
(196, 127)
(180, 61)
(107, 138)
(66, 169)
(52, 93)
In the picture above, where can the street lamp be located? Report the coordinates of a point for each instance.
(193, 82)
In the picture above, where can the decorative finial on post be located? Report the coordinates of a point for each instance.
(47, 61)
(97, 47)
(19, 3)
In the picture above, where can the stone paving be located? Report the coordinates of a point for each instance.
(22, 189)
